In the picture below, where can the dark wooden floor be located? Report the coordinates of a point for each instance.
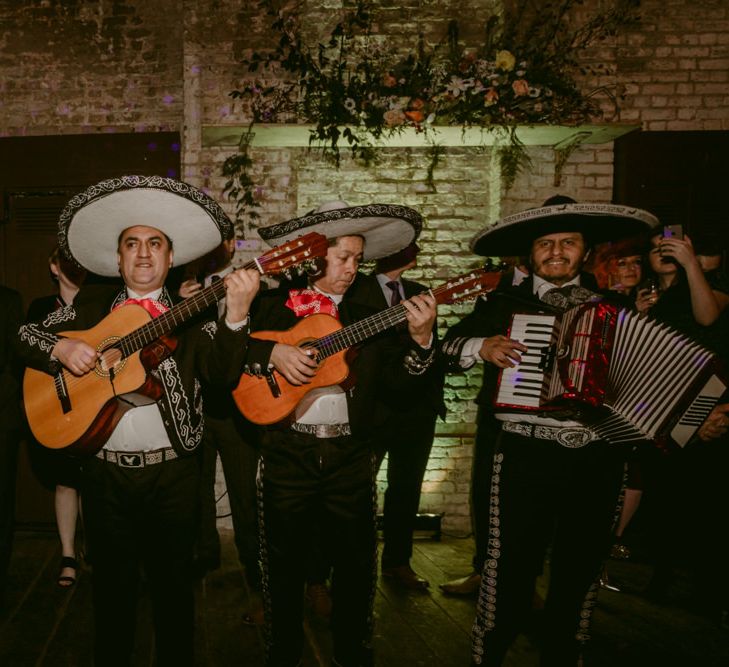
(44, 625)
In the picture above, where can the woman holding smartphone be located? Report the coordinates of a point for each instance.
(684, 298)
(681, 496)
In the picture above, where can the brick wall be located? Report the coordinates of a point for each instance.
(111, 65)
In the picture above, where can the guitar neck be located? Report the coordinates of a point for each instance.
(366, 328)
(179, 314)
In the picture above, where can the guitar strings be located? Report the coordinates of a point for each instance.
(326, 345)
(355, 333)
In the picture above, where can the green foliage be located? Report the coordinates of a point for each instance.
(353, 90)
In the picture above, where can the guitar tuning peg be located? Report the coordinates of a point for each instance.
(287, 274)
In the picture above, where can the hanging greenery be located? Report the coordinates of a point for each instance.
(354, 92)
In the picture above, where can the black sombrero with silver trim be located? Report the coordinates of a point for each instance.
(514, 234)
(386, 228)
(91, 223)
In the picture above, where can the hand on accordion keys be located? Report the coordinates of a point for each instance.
(502, 351)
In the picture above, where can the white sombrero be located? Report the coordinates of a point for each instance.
(91, 223)
(386, 228)
(514, 234)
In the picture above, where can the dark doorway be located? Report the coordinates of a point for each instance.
(38, 175)
(678, 176)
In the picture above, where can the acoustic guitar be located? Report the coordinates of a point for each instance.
(78, 413)
(271, 398)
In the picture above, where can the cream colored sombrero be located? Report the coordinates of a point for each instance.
(514, 234)
(91, 223)
(386, 228)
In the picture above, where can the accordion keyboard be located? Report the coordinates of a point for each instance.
(523, 386)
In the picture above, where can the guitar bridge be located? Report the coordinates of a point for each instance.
(62, 392)
(273, 384)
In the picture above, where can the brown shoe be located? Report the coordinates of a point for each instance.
(464, 586)
(319, 600)
(406, 577)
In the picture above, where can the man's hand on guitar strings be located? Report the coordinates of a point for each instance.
(502, 351)
(298, 365)
(241, 287)
(421, 312)
(76, 355)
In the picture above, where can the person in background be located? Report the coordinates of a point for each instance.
(141, 489)
(231, 437)
(11, 422)
(625, 265)
(684, 299)
(620, 269)
(406, 436)
(62, 470)
(694, 303)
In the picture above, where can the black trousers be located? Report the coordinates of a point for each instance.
(239, 458)
(142, 518)
(545, 494)
(317, 492)
(9, 442)
(408, 443)
(481, 468)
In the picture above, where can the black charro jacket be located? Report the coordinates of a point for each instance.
(378, 376)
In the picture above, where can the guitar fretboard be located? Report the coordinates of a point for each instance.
(370, 326)
(166, 322)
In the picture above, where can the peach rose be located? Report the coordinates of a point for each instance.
(520, 87)
(393, 117)
(491, 97)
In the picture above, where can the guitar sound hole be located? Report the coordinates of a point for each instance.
(111, 359)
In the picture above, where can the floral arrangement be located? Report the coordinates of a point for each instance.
(354, 90)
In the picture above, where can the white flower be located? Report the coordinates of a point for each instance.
(458, 85)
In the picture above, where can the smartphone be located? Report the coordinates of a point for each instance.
(673, 232)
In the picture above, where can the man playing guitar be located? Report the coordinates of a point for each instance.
(141, 490)
(317, 474)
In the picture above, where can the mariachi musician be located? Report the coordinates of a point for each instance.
(552, 481)
(317, 474)
(141, 490)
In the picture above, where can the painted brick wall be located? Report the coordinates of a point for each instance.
(129, 65)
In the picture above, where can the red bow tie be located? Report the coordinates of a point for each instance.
(154, 308)
(308, 302)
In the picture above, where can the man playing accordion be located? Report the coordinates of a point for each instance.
(553, 482)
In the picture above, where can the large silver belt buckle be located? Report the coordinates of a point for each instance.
(131, 460)
(330, 430)
(574, 437)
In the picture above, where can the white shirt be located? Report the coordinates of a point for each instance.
(324, 405)
(141, 429)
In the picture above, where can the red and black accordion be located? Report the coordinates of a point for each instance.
(630, 377)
